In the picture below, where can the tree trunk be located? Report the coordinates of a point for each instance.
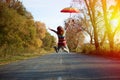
(91, 12)
(107, 25)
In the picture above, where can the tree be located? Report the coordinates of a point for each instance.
(73, 29)
(92, 13)
(16, 31)
(41, 29)
(48, 41)
(108, 16)
(92, 21)
(18, 6)
(85, 24)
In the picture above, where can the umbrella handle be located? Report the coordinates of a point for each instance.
(70, 15)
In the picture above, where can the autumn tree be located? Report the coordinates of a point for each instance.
(110, 13)
(18, 6)
(92, 13)
(74, 35)
(41, 29)
(85, 24)
(92, 21)
(17, 32)
(48, 41)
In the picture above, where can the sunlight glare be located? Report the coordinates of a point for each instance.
(114, 22)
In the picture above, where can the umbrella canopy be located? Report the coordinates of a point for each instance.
(70, 10)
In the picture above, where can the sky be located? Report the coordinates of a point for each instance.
(48, 11)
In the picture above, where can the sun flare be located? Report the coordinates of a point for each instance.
(115, 21)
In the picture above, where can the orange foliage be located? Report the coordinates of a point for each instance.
(41, 29)
(74, 33)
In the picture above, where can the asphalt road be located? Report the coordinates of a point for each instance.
(62, 66)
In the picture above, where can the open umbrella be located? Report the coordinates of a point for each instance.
(70, 10)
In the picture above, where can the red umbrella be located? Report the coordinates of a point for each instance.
(70, 10)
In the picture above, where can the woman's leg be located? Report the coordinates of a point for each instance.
(56, 49)
(66, 49)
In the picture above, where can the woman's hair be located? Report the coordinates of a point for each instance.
(60, 30)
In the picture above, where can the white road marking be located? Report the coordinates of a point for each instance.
(59, 78)
(61, 61)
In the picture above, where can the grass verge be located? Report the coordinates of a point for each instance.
(9, 59)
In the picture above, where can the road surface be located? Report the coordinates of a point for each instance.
(62, 66)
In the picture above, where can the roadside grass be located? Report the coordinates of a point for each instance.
(10, 59)
(102, 51)
(13, 58)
